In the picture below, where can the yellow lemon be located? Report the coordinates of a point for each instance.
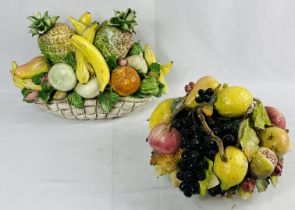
(203, 83)
(233, 101)
(233, 171)
(162, 113)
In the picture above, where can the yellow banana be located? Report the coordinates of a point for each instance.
(149, 55)
(82, 72)
(78, 25)
(165, 69)
(86, 18)
(89, 33)
(90, 69)
(95, 58)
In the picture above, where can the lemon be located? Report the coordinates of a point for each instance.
(162, 113)
(233, 101)
(233, 171)
(203, 83)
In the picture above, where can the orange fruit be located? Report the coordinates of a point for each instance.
(125, 80)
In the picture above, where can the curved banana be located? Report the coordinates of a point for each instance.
(89, 33)
(166, 68)
(82, 72)
(78, 25)
(149, 55)
(86, 18)
(90, 69)
(95, 58)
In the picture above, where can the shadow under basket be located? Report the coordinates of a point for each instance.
(92, 109)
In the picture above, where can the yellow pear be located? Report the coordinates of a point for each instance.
(162, 113)
(203, 83)
(234, 170)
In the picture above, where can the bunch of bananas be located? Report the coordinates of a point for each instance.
(89, 60)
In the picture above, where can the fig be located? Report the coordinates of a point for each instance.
(276, 117)
(276, 139)
(263, 163)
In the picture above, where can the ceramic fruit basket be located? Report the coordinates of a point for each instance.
(90, 71)
(218, 140)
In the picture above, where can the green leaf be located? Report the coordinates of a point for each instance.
(161, 89)
(70, 60)
(45, 95)
(108, 99)
(262, 184)
(38, 78)
(25, 92)
(248, 139)
(260, 117)
(112, 61)
(136, 49)
(154, 70)
(204, 184)
(76, 100)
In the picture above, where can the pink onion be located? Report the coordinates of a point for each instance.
(32, 96)
(276, 117)
(164, 140)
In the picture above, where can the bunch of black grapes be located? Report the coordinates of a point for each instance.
(198, 147)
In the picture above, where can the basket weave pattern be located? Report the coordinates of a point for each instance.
(92, 109)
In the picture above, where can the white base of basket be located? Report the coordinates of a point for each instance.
(92, 109)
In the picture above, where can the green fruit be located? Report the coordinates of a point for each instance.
(54, 38)
(263, 163)
(62, 77)
(276, 139)
(233, 101)
(114, 36)
(234, 170)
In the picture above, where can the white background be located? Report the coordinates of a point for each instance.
(51, 163)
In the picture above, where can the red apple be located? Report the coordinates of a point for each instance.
(276, 117)
(164, 140)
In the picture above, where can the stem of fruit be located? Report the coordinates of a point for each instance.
(180, 106)
(210, 133)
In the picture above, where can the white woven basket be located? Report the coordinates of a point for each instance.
(92, 109)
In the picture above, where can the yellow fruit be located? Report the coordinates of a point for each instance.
(95, 58)
(149, 55)
(35, 66)
(233, 101)
(78, 25)
(276, 139)
(89, 33)
(162, 113)
(125, 80)
(203, 83)
(82, 72)
(165, 69)
(86, 18)
(233, 171)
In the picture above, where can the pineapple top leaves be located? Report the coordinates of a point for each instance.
(41, 23)
(124, 20)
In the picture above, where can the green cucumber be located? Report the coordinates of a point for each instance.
(62, 77)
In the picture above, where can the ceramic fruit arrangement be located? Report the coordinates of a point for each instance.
(218, 140)
(89, 61)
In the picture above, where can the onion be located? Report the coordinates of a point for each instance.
(164, 140)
